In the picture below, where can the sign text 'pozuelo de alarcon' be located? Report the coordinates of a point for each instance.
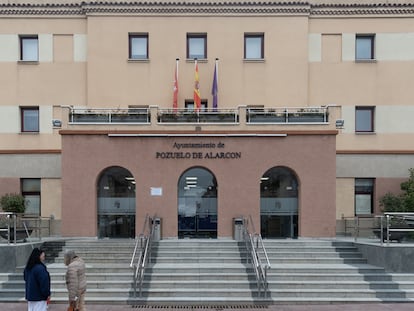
(216, 154)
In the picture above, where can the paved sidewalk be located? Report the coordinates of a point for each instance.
(327, 307)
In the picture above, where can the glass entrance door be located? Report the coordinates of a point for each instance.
(197, 204)
(116, 204)
(279, 204)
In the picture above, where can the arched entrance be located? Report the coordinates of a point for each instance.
(197, 204)
(279, 203)
(116, 203)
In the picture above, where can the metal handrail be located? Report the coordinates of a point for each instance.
(252, 242)
(145, 242)
(388, 216)
(13, 220)
(385, 227)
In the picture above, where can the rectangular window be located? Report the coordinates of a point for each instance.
(364, 119)
(29, 48)
(29, 119)
(364, 196)
(364, 47)
(138, 46)
(31, 192)
(253, 46)
(189, 104)
(196, 45)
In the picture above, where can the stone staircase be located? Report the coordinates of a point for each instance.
(316, 271)
(197, 272)
(109, 275)
(216, 272)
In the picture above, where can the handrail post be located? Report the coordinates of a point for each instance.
(356, 228)
(15, 228)
(388, 229)
(382, 230)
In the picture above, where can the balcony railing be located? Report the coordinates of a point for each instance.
(240, 115)
(287, 115)
(99, 116)
(201, 116)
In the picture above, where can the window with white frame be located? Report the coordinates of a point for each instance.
(138, 46)
(364, 119)
(253, 46)
(29, 48)
(364, 47)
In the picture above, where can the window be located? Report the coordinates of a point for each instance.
(364, 196)
(29, 48)
(364, 119)
(253, 46)
(196, 46)
(364, 47)
(138, 46)
(31, 192)
(30, 119)
(189, 104)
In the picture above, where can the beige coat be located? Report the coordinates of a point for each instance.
(75, 278)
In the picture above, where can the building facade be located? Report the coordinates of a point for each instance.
(293, 115)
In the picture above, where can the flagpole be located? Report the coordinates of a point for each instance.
(217, 77)
(214, 89)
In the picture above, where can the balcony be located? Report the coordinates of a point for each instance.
(185, 116)
(241, 118)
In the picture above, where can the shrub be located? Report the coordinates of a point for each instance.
(13, 202)
(403, 202)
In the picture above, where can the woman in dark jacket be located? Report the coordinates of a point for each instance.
(37, 281)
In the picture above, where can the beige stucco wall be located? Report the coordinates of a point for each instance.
(52, 190)
(345, 197)
(283, 72)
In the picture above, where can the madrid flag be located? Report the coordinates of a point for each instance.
(175, 88)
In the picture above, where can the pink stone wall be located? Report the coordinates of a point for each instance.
(9, 185)
(311, 157)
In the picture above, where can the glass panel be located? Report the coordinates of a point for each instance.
(30, 185)
(364, 185)
(364, 48)
(32, 204)
(363, 122)
(196, 48)
(31, 120)
(197, 204)
(139, 48)
(253, 47)
(29, 49)
(363, 204)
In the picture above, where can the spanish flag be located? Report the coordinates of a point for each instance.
(197, 96)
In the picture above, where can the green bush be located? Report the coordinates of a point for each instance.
(13, 202)
(403, 202)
